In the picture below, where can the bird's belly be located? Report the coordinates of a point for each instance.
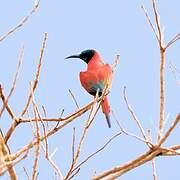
(93, 87)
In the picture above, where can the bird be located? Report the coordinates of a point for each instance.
(97, 77)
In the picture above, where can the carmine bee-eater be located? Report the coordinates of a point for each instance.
(97, 77)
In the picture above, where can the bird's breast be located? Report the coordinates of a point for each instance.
(95, 79)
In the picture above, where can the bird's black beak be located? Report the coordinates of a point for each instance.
(73, 56)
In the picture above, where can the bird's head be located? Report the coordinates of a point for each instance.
(85, 55)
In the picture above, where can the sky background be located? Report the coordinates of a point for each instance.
(111, 27)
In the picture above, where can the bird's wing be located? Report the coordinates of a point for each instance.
(96, 79)
(105, 74)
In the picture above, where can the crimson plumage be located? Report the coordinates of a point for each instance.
(97, 76)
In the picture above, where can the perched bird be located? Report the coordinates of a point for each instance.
(96, 78)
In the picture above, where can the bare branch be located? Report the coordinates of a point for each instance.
(16, 121)
(95, 153)
(150, 145)
(21, 23)
(150, 23)
(162, 95)
(37, 73)
(73, 145)
(158, 24)
(148, 156)
(49, 159)
(172, 41)
(175, 72)
(154, 169)
(74, 99)
(85, 130)
(26, 173)
(4, 151)
(134, 116)
(37, 151)
(67, 120)
(116, 62)
(169, 130)
(5, 102)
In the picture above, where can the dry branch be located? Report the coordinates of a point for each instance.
(37, 147)
(5, 103)
(4, 151)
(98, 151)
(5, 100)
(21, 23)
(16, 120)
(76, 154)
(134, 116)
(37, 73)
(120, 170)
(155, 150)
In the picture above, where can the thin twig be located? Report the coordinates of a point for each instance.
(169, 152)
(150, 145)
(73, 144)
(37, 72)
(16, 122)
(13, 85)
(116, 62)
(4, 152)
(166, 135)
(175, 71)
(153, 160)
(95, 153)
(26, 173)
(154, 169)
(86, 127)
(49, 159)
(134, 116)
(74, 99)
(4, 99)
(158, 25)
(21, 23)
(150, 22)
(45, 115)
(173, 40)
(37, 151)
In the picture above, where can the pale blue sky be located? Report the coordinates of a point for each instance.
(111, 27)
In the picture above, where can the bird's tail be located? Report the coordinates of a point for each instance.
(106, 110)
